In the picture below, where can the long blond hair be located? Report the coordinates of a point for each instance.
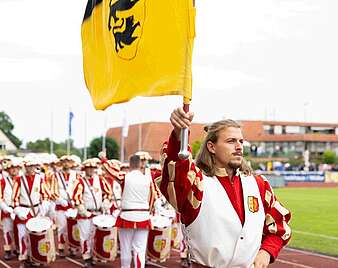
(205, 160)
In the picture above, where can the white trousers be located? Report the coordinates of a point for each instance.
(24, 245)
(133, 240)
(61, 223)
(86, 228)
(7, 229)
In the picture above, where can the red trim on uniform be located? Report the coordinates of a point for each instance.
(85, 247)
(5, 215)
(122, 223)
(62, 208)
(62, 239)
(9, 238)
(138, 261)
(24, 247)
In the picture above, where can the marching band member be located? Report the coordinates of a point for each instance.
(62, 183)
(219, 192)
(144, 158)
(30, 197)
(91, 194)
(11, 171)
(113, 178)
(138, 192)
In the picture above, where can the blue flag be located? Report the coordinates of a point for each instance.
(70, 118)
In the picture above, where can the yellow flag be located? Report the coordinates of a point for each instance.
(137, 48)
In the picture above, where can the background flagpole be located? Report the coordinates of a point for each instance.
(51, 144)
(140, 136)
(70, 118)
(85, 138)
(124, 134)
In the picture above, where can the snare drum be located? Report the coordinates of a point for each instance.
(41, 239)
(73, 233)
(105, 237)
(159, 238)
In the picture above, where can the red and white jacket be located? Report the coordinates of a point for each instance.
(38, 192)
(6, 190)
(86, 189)
(185, 186)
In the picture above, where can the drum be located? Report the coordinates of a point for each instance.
(176, 235)
(41, 239)
(159, 239)
(73, 233)
(105, 237)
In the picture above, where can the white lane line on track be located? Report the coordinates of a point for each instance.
(71, 260)
(314, 234)
(74, 261)
(312, 253)
(5, 264)
(293, 263)
(155, 264)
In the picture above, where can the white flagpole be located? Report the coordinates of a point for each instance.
(51, 149)
(85, 138)
(124, 133)
(139, 136)
(122, 147)
(69, 134)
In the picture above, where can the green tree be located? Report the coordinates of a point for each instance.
(43, 146)
(39, 146)
(7, 126)
(195, 147)
(112, 147)
(329, 157)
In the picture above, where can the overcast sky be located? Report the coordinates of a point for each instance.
(253, 59)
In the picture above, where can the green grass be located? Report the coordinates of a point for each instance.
(315, 211)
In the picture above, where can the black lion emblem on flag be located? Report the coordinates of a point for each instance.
(124, 22)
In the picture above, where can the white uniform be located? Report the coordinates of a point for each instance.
(62, 204)
(135, 208)
(88, 193)
(23, 209)
(239, 244)
(6, 210)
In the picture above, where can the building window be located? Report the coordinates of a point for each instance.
(268, 129)
(323, 130)
(294, 130)
(278, 130)
(2, 146)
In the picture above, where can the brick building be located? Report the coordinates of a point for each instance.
(268, 136)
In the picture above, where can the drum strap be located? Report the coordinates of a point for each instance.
(90, 190)
(9, 181)
(25, 185)
(62, 179)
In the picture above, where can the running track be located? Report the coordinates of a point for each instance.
(287, 258)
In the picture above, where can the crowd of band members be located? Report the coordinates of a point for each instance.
(56, 187)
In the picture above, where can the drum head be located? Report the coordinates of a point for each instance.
(160, 222)
(39, 224)
(104, 221)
